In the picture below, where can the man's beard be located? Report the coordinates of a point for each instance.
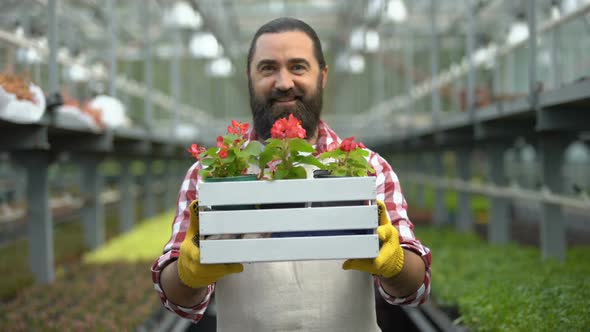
(307, 109)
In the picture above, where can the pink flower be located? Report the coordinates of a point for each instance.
(348, 144)
(238, 128)
(287, 128)
(332, 146)
(216, 161)
(223, 153)
(196, 150)
(349, 158)
(220, 143)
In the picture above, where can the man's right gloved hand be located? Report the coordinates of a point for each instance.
(190, 270)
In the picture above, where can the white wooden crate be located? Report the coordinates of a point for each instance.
(307, 218)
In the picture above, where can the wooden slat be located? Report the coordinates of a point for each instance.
(286, 220)
(289, 249)
(281, 191)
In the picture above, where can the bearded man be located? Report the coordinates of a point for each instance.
(287, 73)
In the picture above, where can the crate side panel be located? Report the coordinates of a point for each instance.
(288, 220)
(281, 191)
(289, 249)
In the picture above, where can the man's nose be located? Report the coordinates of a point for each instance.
(284, 81)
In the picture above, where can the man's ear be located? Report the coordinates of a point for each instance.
(324, 74)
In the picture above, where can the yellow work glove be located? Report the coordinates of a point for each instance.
(390, 260)
(190, 270)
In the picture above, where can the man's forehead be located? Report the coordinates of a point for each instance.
(290, 43)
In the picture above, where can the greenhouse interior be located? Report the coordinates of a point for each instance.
(468, 122)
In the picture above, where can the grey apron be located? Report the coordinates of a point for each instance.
(296, 296)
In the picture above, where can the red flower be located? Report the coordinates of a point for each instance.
(196, 150)
(238, 128)
(220, 142)
(348, 144)
(223, 153)
(332, 146)
(223, 148)
(287, 128)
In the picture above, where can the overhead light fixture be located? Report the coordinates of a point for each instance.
(28, 55)
(519, 32)
(182, 15)
(356, 63)
(220, 67)
(357, 39)
(205, 45)
(371, 41)
(396, 11)
(77, 73)
(374, 8)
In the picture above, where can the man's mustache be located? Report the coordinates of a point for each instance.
(285, 94)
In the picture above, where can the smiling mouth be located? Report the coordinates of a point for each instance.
(285, 101)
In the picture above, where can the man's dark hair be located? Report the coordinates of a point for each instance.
(284, 24)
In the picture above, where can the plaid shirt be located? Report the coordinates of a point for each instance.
(388, 190)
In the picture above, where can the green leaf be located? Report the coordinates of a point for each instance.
(254, 148)
(273, 143)
(205, 173)
(265, 157)
(231, 156)
(310, 160)
(332, 154)
(297, 173)
(281, 174)
(339, 172)
(207, 162)
(297, 144)
(360, 152)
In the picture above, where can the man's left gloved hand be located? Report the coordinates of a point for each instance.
(390, 260)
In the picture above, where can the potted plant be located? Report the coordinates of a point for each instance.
(286, 151)
(348, 158)
(231, 158)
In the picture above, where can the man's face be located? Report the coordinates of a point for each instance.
(285, 78)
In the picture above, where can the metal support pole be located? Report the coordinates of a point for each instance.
(420, 192)
(441, 213)
(149, 202)
(378, 77)
(553, 228)
(499, 220)
(112, 14)
(127, 207)
(175, 81)
(409, 73)
(532, 24)
(148, 71)
(556, 57)
(53, 70)
(434, 63)
(93, 210)
(464, 217)
(171, 183)
(39, 223)
(470, 49)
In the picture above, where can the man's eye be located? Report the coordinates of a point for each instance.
(298, 68)
(266, 69)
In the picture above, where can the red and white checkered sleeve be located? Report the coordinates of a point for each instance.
(188, 193)
(390, 192)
